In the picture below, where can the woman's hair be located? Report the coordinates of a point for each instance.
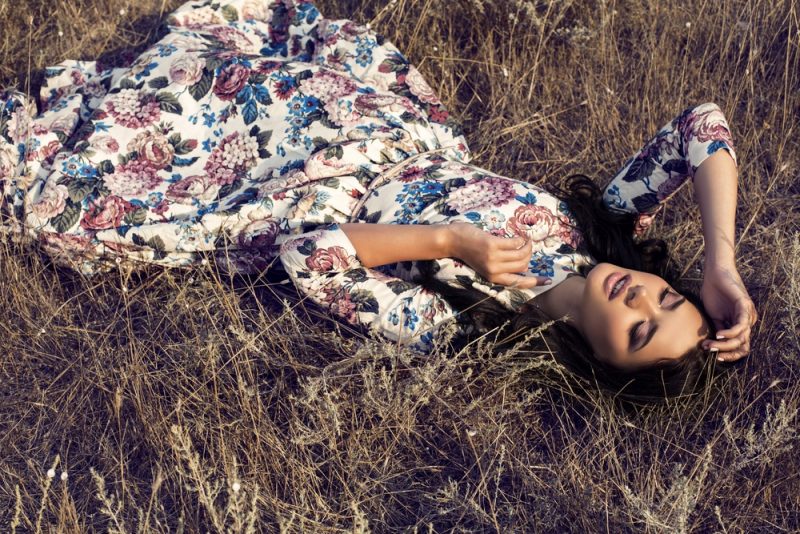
(607, 237)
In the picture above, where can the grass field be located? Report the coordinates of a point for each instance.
(191, 402)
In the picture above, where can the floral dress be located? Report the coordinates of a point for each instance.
(252, 129)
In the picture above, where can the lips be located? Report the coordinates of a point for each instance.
(615, 284)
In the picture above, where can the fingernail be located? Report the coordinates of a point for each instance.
(714, 350)
(547, 282)
(719, 336)
(719, 359)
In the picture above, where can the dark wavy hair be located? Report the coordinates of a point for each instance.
(607, 237)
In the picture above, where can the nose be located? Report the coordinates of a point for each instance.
(636, 298)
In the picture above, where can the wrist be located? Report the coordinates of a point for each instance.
(719, 259)
(446, 240)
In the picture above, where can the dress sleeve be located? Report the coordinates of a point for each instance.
(668, 161)
(324, 266)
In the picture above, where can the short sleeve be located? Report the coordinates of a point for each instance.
(323, 265)
(669, 160)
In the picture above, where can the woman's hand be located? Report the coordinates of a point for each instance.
(497, 259)
(730, 307)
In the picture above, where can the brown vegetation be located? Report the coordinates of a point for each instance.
(187, 400)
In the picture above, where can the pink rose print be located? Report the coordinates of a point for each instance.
(49, 151)
(538, 223)
(186, 70)
(340, 303)
(704, 127)
(56, 243)
(259, 234)
(8, 160)
(193, 187)
(51, 202)
(705, 130)
(153, 148)
(230, 81)
(419, 87)
(231, 38)
(106, 212)
(104, 143)
(567, 233)
(256, 10)
(133, 108)
(235, 155)
(326, 259)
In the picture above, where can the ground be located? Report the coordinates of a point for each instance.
(167, 400)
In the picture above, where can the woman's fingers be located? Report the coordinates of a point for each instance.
(742, 323)
(725, 345)
(512, 243)
(734, 355)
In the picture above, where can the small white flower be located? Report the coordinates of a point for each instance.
(51, 473)
(41, 331)
(122, 11)
(435, 48)
(64, 475)
(118, 260)
(236, 487)
(369, 26)
(688, 24)
(60, 33)
(191, 280)
(472, 433)
(204, 262)
(505, 72)
(124, 289)
(609, 91)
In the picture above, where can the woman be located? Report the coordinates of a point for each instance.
(258, 131)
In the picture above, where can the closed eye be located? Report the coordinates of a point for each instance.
(640, 335)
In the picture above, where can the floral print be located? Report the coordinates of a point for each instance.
(252, 129)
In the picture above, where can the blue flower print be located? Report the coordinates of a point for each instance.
(76, 168)
(542, 264)
(364, 47)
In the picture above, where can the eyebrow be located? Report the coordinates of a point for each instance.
(652, 331)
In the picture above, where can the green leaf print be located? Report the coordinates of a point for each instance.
(169, 103)
(365, 300)
(159, 83)
(203, 85)
(67, 218)
(79, 189)
(136, 217)
(230, 13)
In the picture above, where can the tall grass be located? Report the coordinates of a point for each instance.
(170, 401)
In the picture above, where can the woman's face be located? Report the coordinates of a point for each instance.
(633, 319)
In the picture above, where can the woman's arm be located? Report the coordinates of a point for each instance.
(724, 295)
(497, 259)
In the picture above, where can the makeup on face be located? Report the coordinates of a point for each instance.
(632, 318)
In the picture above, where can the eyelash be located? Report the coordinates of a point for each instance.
(634, 338)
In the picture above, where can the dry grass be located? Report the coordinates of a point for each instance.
(190, 402)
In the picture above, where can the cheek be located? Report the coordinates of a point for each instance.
(601, 328)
